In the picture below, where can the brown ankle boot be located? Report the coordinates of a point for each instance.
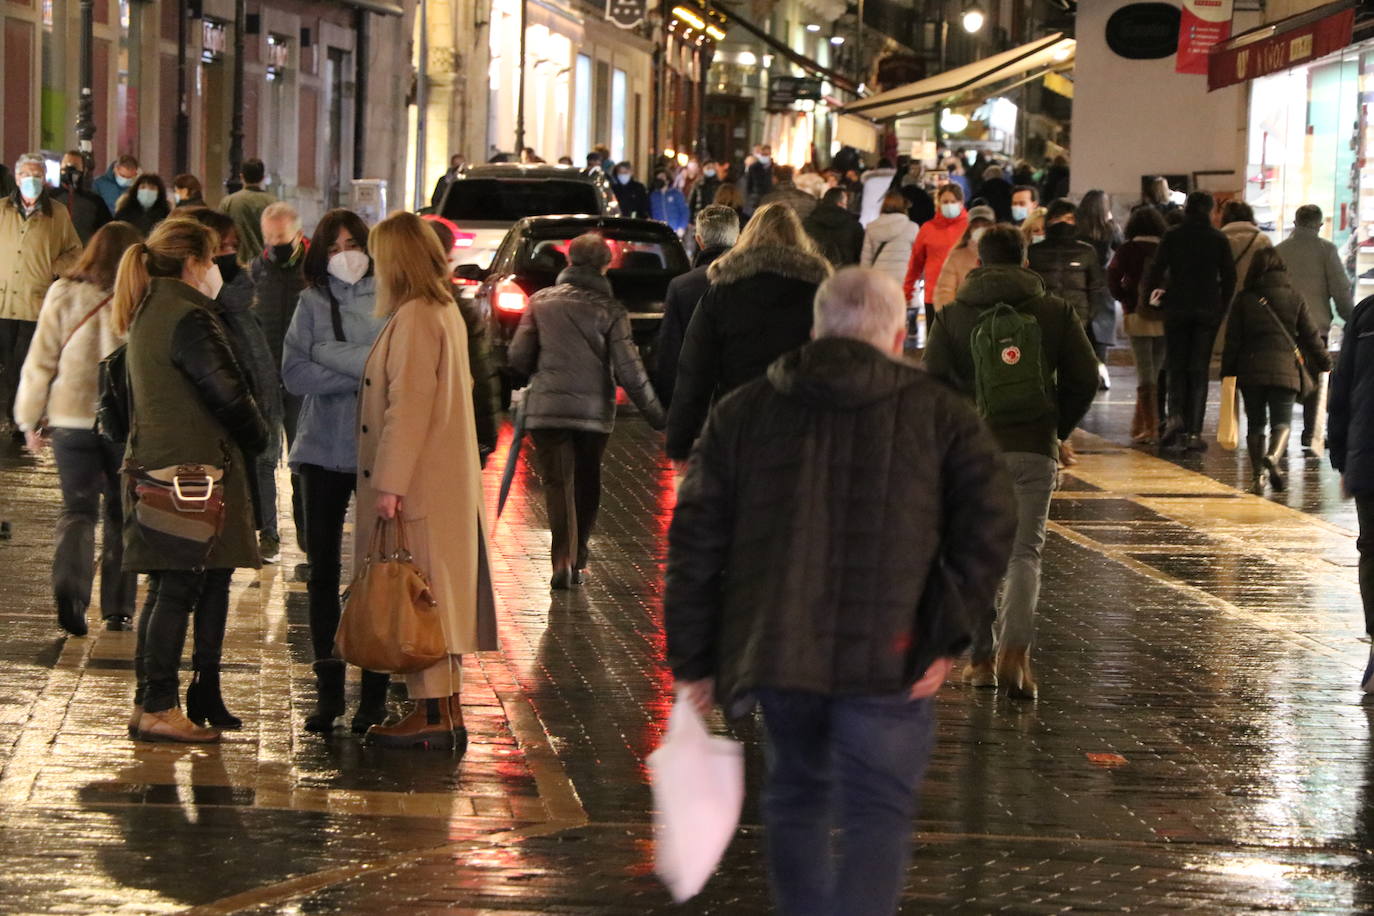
(1014, 673)
(1151, 421)
(429, 724)
(172, 725)
(134, 719)
(980, 674)
(1140, 428)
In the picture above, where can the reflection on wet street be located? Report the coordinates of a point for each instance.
(1200, 741)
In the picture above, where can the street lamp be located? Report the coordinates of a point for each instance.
(973, 18)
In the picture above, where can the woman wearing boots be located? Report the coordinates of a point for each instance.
(58, 394)
(1266, 320)
(418, 462)
(1144, 322)
(191, 405)
(324, 353)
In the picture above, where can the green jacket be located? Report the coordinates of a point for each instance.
(245, 208)
(1070, 364)
(191, 404)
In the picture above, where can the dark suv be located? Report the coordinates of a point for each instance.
(645, 256)
(484, 201)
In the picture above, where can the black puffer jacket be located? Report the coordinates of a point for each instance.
(837, 233)
(1195, 267)
(1350, 430)
(757, 308)
(1257, 350)
(574, 340)
(1071, 270)
(486, 388)
(277, 283)
(840, 524)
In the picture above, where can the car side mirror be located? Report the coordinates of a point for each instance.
(472, 272)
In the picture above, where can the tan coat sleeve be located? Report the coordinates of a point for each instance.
(412, 379)
(66, 244)
(951, 275)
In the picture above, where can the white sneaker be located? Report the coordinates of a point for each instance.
(1367, 682)
(1104, 377)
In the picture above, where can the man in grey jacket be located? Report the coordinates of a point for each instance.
(1316, 272)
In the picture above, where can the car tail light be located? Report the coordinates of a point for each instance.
(510, 297)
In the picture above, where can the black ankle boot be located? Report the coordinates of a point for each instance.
(372, 702)
(329, 695)
(1278, 451)
(204, 704)
(71, 616)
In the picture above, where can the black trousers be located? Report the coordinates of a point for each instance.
(1364, 510)
(1188, 363)
(570, 465)
(172, 597)
(325, 497)
(88, 471)
(15, 337)
(1267, 407)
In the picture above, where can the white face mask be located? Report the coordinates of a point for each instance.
(1019, 214)
(122, 181)
(30, 187)
(1037, 237)
(710, 173)
(764, 160)
(350, 266)
(147, 197)
(212, 282)
(951, 211)
(622, 177)
(976, 234)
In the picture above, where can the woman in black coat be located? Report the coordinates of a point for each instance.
(1267, 318)
(1350, 441)
(145, 204)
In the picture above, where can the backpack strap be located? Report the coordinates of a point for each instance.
(335, 313)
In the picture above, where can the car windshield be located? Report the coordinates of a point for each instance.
(631, 259)
(510, 199)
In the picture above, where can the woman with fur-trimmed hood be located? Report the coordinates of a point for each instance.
(757, 308)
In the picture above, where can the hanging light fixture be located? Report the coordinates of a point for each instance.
(972, 17)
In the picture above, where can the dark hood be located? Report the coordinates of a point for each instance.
(705, 256)
(829, 216)
(839, 373)
(586, 278)
(987, 286)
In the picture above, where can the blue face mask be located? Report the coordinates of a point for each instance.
(951, 211)
(147, 197)
(30, 187)
(1019, 214)
(122, 181)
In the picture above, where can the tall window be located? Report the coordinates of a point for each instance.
(618, 105)
(130, 76)
(582, 110)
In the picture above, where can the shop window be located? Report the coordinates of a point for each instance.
(582, 110)
(619, 103)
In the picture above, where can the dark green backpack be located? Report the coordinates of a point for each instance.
(1008, 377)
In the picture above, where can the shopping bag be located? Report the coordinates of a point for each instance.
(698, 788)
(1228, 425)
(1319, 427)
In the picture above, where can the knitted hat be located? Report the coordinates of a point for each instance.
(982, 212)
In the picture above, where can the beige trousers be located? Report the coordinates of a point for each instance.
(441, 679)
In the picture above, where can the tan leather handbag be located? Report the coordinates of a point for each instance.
(390, 619)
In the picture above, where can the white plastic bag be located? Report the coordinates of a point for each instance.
(698, 786)
(1319, 427)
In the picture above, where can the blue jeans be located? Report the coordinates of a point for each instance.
(852, 763)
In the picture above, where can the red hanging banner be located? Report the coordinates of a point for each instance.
(1204, 23)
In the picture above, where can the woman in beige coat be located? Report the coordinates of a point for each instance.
(963, 259)
(417, 458)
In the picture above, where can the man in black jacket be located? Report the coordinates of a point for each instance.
(717, 229)
(1069, 267)
(811, 571)
(1031, 444)
(87, 208)
(1194, 267)
(835, 230)
(632, 195)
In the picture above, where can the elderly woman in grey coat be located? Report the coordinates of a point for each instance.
(575, 342)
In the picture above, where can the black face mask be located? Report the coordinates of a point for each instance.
(228, 267)
(282, 253)
(71, 175)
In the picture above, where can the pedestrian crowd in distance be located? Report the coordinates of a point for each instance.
(159, 347)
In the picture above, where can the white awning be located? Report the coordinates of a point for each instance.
(859, 133)
(1053, 52)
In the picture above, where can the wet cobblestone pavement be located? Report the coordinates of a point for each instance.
(1200, 742)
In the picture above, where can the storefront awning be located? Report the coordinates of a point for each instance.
(859, 133)
(380, 7)
(1052, 52)
(1282, 44)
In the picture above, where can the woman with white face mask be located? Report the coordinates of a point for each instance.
(191, 404)
(145, 204)
(323, 357)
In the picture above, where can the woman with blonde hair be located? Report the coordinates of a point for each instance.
(758, 307)
(418, 464)
(1033, 229)
(56, 404)
(191, 405)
